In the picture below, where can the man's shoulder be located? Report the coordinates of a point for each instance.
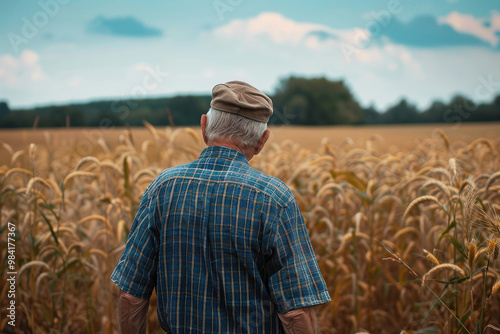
(166, 175)
(243, 175)
(173, 171)
(271, 186)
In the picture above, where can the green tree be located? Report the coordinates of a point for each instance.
(403, 112)
(317, 101)
(371, 115)
(435, 113)
(4, 109)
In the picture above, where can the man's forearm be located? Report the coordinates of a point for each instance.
(300, 321)
(132, 314)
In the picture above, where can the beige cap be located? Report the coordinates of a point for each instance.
(240, 98)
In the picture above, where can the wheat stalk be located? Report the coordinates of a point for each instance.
(419, 200)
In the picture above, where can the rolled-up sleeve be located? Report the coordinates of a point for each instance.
(135, 272)
(296, 280)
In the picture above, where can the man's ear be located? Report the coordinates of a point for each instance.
(203, 123)
(262, 141)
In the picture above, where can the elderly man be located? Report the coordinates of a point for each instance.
(224, 245)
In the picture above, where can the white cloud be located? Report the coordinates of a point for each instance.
(22, 70)
(277, 28)
(279, 32)
(142, 67)
(495, 21)
(379, 71)
(208, 73)
(469, 24)
(403, 55)
(76, 81)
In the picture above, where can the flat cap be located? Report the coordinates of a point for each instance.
(240, 98)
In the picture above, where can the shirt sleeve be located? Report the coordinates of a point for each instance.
(135, 272)
(295, 281)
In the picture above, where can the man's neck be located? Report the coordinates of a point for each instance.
(246, 152)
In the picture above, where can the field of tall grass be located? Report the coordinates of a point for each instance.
(407, 242)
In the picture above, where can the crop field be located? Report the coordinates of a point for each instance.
(404, 221)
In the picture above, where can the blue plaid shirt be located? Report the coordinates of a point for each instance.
(224, 245)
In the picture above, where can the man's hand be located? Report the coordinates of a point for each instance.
(132, 314)
(300, 321)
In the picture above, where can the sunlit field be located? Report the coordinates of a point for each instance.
(404, 221)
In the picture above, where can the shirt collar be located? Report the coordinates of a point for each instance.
(223, 152)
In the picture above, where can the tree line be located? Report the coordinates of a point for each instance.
(297, 101)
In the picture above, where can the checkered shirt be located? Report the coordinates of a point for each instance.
(224, 245)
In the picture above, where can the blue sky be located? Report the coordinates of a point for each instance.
(59, 51)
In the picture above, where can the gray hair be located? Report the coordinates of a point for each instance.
(237, 129)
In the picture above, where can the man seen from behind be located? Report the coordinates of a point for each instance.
(224, 245)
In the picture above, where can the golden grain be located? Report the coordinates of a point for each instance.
(351, 195)
(419, 200)
(471, 255)
(442, 266)
(431, 257)
(492, 245)
(495, 287)
(492, 179)
(32, 264)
